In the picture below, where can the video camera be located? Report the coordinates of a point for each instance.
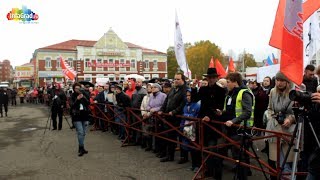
(302, 97)
(80, 91)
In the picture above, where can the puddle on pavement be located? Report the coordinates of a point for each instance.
(28, 129)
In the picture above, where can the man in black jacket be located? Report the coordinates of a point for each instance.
(137, 97)
(59, 100)
(309, 79)
(212, 97)
(173, 105)
(4, 99)
(123, 101)
(13, 96)
(102, 99)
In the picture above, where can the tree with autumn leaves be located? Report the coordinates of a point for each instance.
(198, 56)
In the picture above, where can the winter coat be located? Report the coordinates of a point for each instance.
(4, 98)
(175, 101)
(59, 98)
(211, 98)
(311, 84)
(156, 101)
(102, 100)
(137, 97)
(79, 108)
(277, 103)
(123, 101)
(144, 104)
(129, 92)
(190, 110)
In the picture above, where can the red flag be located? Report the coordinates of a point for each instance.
(220, 70)
(309, 7)
(231, 67)
(211, 65)
(291, 64)
(67, 70)
(276, 35)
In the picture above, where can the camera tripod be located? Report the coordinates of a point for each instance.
(49, 120)
(301, 114)
(241, 172)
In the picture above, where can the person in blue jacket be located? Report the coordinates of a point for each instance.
(189, 129)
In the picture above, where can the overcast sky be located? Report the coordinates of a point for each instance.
(231, 24)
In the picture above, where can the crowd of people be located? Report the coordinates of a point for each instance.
(231, 100)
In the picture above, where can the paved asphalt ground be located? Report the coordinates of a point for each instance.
(26, 153)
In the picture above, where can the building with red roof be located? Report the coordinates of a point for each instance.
(109, 57)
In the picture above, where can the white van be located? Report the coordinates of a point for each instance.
(4, 84)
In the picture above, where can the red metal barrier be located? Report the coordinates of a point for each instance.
(205, 151)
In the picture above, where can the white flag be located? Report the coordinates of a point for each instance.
(179, 50)
(311, 38)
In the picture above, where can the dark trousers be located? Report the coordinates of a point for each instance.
(195, 158)
(183, 154)
(171, 146)
(135, 135)
(214, 164)
(54, 113)
(242, 172)
(13, 101)
(5, 108)
(159, 143)
(21, 100)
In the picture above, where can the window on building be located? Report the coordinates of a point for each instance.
(155, 64)
(100, 76)
(111, 77)
(58, 63)
(122, 62)
(111, 64)
(48, 79)
(48, 62)
(133, 63)
(70, 62)
(88, 77)
(87, 62)
(155, 75)
(58, 79)
(146, 64)
(99, 61)
(147, 76)
(122, 77)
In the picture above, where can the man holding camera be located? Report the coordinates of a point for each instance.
(310, 152)
(309, 80)
(313, 150)
(58, 103)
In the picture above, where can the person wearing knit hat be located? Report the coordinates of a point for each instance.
(280, 117)
(156, 85)
(118, 86)
(281, 76)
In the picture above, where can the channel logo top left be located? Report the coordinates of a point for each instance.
(23, 15)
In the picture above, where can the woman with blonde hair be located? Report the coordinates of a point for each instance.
(279, 117)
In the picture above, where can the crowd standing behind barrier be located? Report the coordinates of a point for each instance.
(158, 118)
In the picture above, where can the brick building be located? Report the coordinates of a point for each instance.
(5, 68)
(108, 57)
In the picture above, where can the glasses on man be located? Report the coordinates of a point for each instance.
(177, 79)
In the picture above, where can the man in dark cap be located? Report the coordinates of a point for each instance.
(166, 87)
(212, 97)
